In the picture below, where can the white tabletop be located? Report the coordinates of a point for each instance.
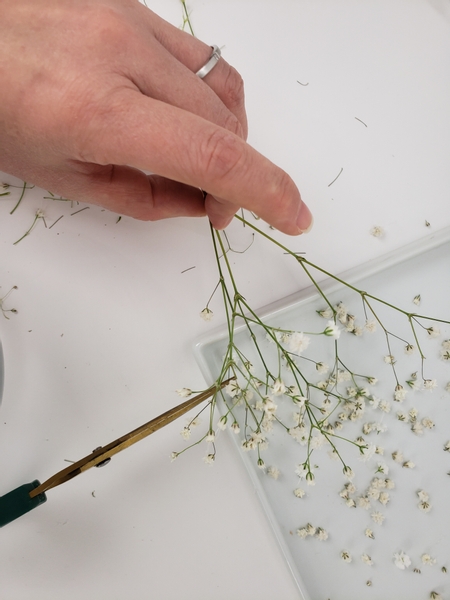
(108, 312)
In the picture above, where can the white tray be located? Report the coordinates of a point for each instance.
(317, 566)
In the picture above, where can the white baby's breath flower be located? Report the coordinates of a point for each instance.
(273, 472)
(322, 367)
(377, 231)
(302, 532)
(380, 427)
(173, 456)
(348, 472)
(445, 354)
(232, 388)
(298, 342)
(184, 392)
(364, 502)
(377, 517)
(409, 349)
(210, 437)
(413, 414)
(209, 459)
(346, 556)
(384, 406)
(343, 375)
(367, 452)
(399, 393)
(299, 434)
(185, 433)
(370, 326)
(261, 464)
(235, 427)
(414, 384)
(367, 560)
(299, 493)
(369, 533)
(424, 506)
(424, 496)
(390, 484)
(278, 388)
(428, 560)
(398, 456)
(341, 313)
(408, 464)
(417, 299)
(433, 331)
(206, 314)
(332, 330)
(269, 407)
(222, 423)
(384, 498)
(401, 560)
(428, 423)
(311, 529)
(417, 428)
(301, 471)
(435, 596)
(321, 534)
(389, 359)
(325, 313)
(429, 384)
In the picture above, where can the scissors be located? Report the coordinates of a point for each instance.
(30, 495)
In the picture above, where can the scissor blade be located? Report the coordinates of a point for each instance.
(105, 452)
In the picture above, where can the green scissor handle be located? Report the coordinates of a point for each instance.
(18, 502)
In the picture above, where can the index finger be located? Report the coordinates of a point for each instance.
(153, 136)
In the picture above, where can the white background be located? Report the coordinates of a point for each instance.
(107, 317)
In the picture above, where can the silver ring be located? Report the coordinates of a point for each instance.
(212, 62)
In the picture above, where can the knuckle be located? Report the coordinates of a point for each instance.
(233, 88)
(233, 124)
(285, 197)
(221, 154)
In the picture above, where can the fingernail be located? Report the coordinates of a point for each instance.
(305, 219)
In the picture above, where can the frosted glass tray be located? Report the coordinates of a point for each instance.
(317, 566)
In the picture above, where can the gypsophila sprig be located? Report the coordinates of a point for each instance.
(253, 399)
(301, 381)
(4, 310)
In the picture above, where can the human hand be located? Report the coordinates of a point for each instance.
(95, 92)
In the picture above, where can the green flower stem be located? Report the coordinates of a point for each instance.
(24, 187)
(37, 216)
(186, 18)
(303, 261)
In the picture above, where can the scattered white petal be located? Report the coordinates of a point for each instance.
(377, 231)
(377, 517)
(346, 557)
(401, 560)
